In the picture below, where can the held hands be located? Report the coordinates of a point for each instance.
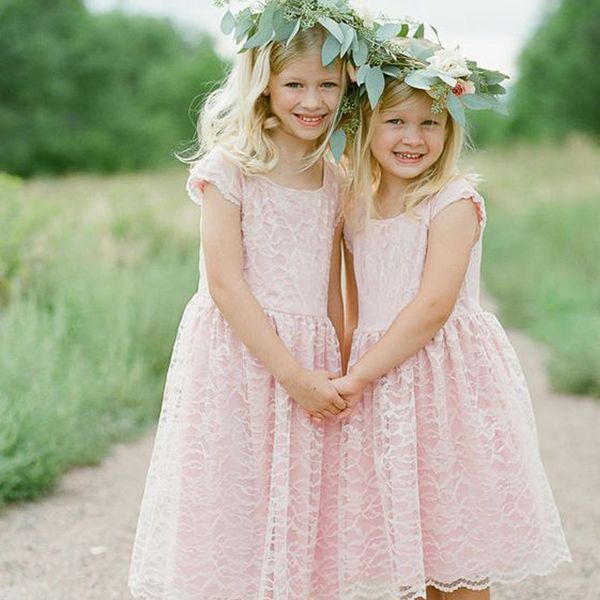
(351, 390)
(314, 392)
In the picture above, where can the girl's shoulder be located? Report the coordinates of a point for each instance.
(461, 187)
(218, 168)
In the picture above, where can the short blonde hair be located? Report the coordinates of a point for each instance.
(359, 200)
(237, 117)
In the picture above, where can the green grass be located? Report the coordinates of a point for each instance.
(541, 251)
(95, 273)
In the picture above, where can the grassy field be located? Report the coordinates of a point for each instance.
(541, 251)
(95, 272)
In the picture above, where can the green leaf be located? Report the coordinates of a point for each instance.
(456, 109)
(388, 31)
(337, 143)
(421, 51)
(493, 77)
(392, 70)
(333, 28)
(422, 79)
(361, 53)
(375, 84)
(283, 28)
(496, 88)
(361, 74)
(404, 30)
(475, 101)
(294, 33)
(420, 32)
(349, 37)
(227, 23)
(265, 32)
(330, 50)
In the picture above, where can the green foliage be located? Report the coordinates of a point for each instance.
(84, 344)
(95, 92)
(559, 83)
(541, 248)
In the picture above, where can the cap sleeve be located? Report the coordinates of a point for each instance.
(459, 189)
(217, 169)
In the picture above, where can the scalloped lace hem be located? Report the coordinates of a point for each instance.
(403, 593)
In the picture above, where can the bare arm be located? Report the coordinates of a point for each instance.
(350, 305)
(451, 236)
(223, 254)
(335, 308)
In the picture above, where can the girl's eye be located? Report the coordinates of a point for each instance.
(292, 84)
(394, 121)
(330, 84)
(430, 122)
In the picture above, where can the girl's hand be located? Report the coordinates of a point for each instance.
(314, 392)
(351, 390)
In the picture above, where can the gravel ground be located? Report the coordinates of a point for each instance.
(75, 545)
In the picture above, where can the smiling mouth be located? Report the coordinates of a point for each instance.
(409, 157)
(310, 121)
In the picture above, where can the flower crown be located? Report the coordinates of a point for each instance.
(375, 48)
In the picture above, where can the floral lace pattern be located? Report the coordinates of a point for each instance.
(442, 481)
(241, 495)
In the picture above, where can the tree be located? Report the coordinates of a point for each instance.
(559, 83)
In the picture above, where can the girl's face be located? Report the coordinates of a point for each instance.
(408, 138)
(305, 95)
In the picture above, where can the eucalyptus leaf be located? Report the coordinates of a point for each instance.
(475, 101)
(337, 143)
(421, 80)
(375, 83)
(283, 28)
(227, 23)
(330, 50)
(493, 77)
(361, 74)
(456, 109)
(447, 79)
(260, 38)
(294, 33)
(361, 54)
(349, 37)
(242, 27)
(388, 31)
(333, 28)
(421, 51)
(496, 88)
(392, 70)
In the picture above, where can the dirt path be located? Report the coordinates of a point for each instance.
(75, 545)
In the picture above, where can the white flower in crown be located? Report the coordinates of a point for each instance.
(361, 8)
(450, 62)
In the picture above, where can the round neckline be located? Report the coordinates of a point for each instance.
(303, 190)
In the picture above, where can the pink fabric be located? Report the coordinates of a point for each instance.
(441, 478)
(241, 495)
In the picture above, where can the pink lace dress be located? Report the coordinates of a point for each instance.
(241, 495)
(442, 482)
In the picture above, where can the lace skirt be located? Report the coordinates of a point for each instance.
(442, 482)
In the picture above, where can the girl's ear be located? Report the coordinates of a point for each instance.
(266, 92)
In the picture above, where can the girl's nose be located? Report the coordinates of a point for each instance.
(311, 99)
(411, 134)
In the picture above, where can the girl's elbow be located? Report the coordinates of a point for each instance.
(220, 287)
(438, 312)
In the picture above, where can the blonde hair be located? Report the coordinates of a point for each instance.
(359, 199)
(237, 117)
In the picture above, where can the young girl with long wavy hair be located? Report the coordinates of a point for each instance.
(443, 490)
(241, 495)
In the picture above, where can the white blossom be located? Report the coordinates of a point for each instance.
(451, 62)
(361, 8)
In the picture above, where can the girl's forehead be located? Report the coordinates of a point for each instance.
(416, 105)
(309, 64)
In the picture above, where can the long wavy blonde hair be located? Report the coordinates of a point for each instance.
(237, 117)
(365, 172)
